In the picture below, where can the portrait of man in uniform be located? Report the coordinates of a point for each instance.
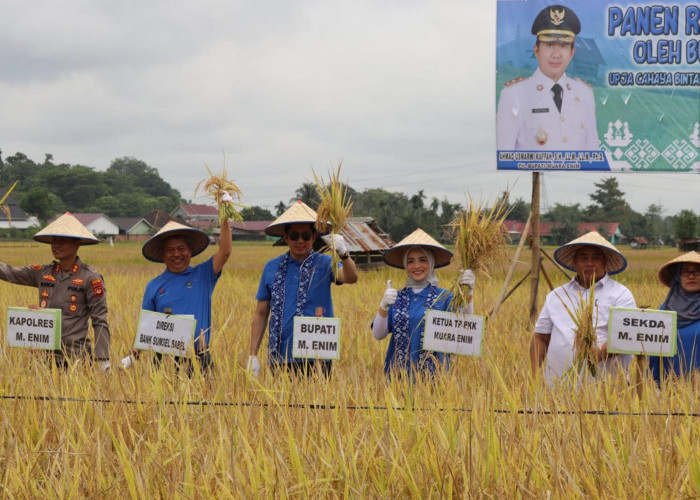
(549, 110)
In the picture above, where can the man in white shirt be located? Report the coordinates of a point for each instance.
(593, 259)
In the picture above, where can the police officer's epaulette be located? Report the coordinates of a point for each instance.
(514, 80)
(578, 78)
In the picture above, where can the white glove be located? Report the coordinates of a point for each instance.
(128, 361)
(339, 243)
(253, 365)
(467, 278)
(103, 367)
(389, 296)
(225, 196)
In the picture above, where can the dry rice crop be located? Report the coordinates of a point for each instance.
(485, 429)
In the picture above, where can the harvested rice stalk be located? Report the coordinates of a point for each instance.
(4, 207)
(216, 187)
(480, 238)
(585, 338)
(335, 207)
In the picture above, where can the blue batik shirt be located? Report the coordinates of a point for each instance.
(416, 325)
(318, 302)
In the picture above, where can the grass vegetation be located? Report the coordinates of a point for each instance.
(485, 429)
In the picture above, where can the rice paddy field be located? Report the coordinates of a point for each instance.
(485, 429)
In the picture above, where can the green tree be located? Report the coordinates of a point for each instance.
(566, 219)
(653, 223)
(280, 208)
(256, 213)
(308, 194)
(37, 202)
(685, 225)
(609, 202)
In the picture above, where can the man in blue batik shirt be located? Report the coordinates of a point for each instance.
(297, 283)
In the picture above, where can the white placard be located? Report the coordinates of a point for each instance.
(453, 333)
(316, 337)
(34, 328)
(642, 331)
(165, 333)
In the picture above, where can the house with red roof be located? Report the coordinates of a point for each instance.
(205, 217)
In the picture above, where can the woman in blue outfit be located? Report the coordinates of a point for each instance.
(682, 276)
(402, 313)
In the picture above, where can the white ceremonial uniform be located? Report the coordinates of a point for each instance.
(555, 321)
(528, 119)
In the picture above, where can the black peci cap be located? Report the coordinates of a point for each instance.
(556, 23)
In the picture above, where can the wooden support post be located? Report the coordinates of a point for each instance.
(535, 268)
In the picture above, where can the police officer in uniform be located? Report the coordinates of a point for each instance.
(71, 286)
(549, 110)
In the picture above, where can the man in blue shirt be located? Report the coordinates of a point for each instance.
(296, 283)
(182, 289)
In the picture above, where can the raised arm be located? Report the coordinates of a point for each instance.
(225, 247)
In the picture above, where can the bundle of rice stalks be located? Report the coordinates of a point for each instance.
(585, 339)
(216, 187)
(6, 208)
(335, 207)
(480, 239)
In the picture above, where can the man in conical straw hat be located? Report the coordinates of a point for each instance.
(72, 286)
(181, 288)
(297, 283)
(594, 259)
(402, 313)
(682, 276)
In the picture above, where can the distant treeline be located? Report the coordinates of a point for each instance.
(131, 188)
(128, 188)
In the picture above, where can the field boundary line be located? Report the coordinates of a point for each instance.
(313, 406)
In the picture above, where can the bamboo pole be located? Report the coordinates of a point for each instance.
(502, 296)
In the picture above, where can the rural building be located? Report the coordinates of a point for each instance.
(157, 219)
(133, 228)
(639, 242)
(18, 218)
(249, 230)
(365, 240)
(203, 217)
(99, 224)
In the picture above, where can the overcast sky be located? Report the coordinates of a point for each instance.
(402, 91)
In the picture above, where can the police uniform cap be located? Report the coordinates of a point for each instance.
(556, 23)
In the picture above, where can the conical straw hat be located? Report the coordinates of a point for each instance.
(196, 239)
(66, 226)
(667, 271)
(298, 213)
(615, 262)
(418, 238)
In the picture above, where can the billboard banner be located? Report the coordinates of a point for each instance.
(599, 86)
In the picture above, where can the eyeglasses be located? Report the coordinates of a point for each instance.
(295, 235)
(686, 273)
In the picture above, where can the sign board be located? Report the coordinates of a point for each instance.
(642, 331)
(165, 333)
(34, 328)
(453, 333)
(316, 337)
(629, 93)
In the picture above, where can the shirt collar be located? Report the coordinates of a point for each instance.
(598, 284)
